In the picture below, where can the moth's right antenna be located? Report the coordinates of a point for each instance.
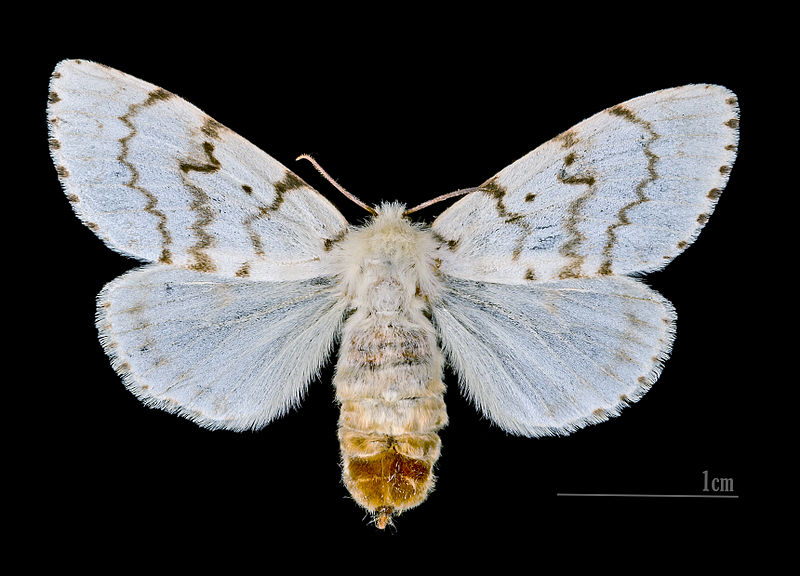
(460, 192)
(336, 184)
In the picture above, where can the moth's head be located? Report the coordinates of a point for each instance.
(389, 228)
(390, 212)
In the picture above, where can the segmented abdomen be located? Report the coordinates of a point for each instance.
(389, 383)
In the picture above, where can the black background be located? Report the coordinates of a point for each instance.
(406, 107)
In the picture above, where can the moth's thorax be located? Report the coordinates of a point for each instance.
(388, 263)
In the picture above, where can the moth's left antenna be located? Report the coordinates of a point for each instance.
(336, 184)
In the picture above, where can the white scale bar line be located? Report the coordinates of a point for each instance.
(649, 495)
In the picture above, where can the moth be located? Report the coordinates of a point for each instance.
(528, 285)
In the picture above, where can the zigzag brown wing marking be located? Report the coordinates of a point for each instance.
(159, 180)
(623, 192)
(224, 352)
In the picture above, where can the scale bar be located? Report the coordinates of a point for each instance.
(648, 495)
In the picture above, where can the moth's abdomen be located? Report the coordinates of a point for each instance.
(389, 383)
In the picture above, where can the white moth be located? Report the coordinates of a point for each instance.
(526, 286)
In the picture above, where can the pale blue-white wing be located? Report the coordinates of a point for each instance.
(226, 353)
(622, 192)
(551, 357)
(159, 180)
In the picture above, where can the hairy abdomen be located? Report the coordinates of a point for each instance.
(389, 383)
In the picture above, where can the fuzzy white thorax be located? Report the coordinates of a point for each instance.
(390, 245)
